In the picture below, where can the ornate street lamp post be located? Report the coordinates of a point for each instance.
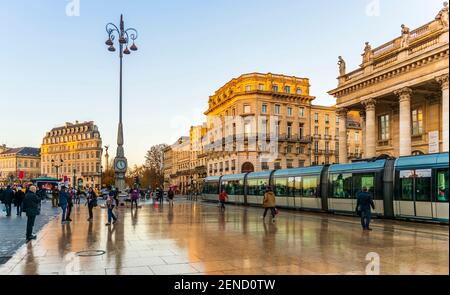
(125, 36)
(57, 167)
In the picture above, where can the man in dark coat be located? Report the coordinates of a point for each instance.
(8, 196)
(363, 206)
(63, 202)
(18, 200)
(31, 207)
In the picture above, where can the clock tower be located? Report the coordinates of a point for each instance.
(125, 36)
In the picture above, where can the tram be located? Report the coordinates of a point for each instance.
(413, 187)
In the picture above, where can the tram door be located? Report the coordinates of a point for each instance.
(415, 194)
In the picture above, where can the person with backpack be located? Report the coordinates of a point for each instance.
(269, 203)
(91, 202)
(223, 196)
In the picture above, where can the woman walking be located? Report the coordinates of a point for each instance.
(110, 204)
(170, 195)
(269, 203)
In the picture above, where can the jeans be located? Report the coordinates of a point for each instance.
(8, 209)
(90, 207)
(366, 216)
(272, 210)
(222, 205)
(69, 211)
(19, 209)
(64, 208)
(55, 201)
(111, 214)
(30, 224)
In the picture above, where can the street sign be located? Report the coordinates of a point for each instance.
(433, 142)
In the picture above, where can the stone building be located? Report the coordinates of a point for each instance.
(266, 121)
(401, 90)
(17, 161)
(177, 165)
(73, 151)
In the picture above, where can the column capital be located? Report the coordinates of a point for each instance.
(369, 104)
(342, 112)
(443, 81)
(403, 93)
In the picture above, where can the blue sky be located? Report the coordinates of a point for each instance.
(56, 68)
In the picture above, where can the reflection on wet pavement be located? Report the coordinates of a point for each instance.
(195, 238)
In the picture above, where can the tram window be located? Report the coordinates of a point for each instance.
(423, 185)
(291, 186)
(406, 187)
(257, 187)
(310, 186)
(298, 186)
(281, 188)
(211, 188)
(442, 186)
(342, 186)
(234, 187)
(361, 181)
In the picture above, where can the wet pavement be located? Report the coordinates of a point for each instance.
(195, 238)
(12, 229)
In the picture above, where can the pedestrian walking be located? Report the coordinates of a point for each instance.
(70, 198)
(223, 196)
(18, 200)
(78, 197)
(170, 196)
(110, 204)
(91, 202)
(55, 197)
(8, 196)
(363, 205)
(31, 205)
(134, 195)
(63, 202)
(269, 203)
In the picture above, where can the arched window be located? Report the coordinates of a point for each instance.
(417, 153)
(247, 167)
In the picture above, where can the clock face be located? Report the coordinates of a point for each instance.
(121, 165)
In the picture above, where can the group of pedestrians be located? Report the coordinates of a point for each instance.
(12, 196)
(27, 201)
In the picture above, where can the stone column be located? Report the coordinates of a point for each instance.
(443, 80)
(342, 114)
(362, 115)
(370, 148)
(404, 95)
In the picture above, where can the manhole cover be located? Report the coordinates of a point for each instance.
(90, 253)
